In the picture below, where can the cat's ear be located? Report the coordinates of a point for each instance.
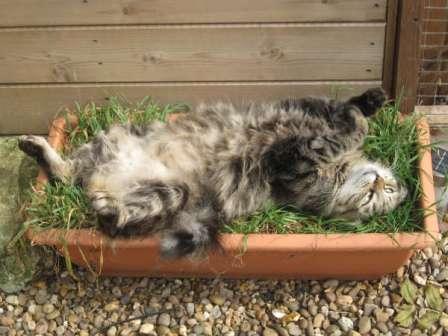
(370, 101)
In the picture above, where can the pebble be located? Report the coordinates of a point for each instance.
(112, 306)
(41, 327)
(217, 300)
(444, 322)
(419, 280)
(382, 327)
(163, 330)
(344, 300)
(164, 319)
(53, 315)
(364, 325)
(190, 308)
(31, 325)
(331, 296)
(12, 299)
(216, 312)
(146, 329)
(269, 332)
(280, 330)
(385, 301)
(207, 329)
(293, 329)
(182, 331)
(60, 330)
(345, 323)
(6, 321)
(318, 320)
(354, 333)
(192, 322)
(443, 275)
(369, 308)
(48, 308)
(112, 331)
(126, 331)
(381, 315)
(331, 283)
(41, 297)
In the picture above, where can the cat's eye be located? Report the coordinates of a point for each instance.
(389, 190)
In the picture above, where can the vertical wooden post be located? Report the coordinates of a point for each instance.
(390, 47)
(410, 17)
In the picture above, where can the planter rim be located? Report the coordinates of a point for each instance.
(266, 242)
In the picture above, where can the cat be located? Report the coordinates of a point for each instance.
(187, 178)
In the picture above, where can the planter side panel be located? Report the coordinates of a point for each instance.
(145, 261)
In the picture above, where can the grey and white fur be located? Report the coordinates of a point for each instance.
(187, 178)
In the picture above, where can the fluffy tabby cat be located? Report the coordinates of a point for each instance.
(186, 178)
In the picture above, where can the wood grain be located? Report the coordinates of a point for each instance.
(436, 115)
(29, 108)
(409, 29)
(111, 12)
(192, 53)
(390, 47)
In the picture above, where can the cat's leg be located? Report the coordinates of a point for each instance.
(142, 209)
(370, 101)
(298, 155)
(350, 124)
(193, 232)
(38, 148)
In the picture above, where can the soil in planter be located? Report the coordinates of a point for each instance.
(391, 141)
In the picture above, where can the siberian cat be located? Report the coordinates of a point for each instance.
(187, 178)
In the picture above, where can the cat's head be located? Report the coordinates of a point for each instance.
(368, 189)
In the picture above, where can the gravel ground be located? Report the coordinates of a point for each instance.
(60, 305)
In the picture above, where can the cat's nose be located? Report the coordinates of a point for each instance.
(378, 184)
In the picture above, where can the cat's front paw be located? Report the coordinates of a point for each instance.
(375, 97)
(371, 101)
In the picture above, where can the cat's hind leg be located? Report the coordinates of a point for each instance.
(46, 156)
(142, 209)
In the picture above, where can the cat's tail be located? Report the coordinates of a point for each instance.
(48, 159)
(194, 232)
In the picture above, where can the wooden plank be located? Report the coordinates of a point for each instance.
(437, 115)
(390, 47)
(410, 21)
(192, 53)
(29, 108)
(110, 12)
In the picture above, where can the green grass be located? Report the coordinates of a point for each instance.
(390, 141)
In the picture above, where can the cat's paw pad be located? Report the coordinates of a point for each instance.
(32, 145)
(373, 100)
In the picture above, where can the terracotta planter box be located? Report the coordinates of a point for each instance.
(279, 256)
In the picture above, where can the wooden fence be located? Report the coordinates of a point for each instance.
(53, 53)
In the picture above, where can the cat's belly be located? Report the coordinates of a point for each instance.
(131, 164)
